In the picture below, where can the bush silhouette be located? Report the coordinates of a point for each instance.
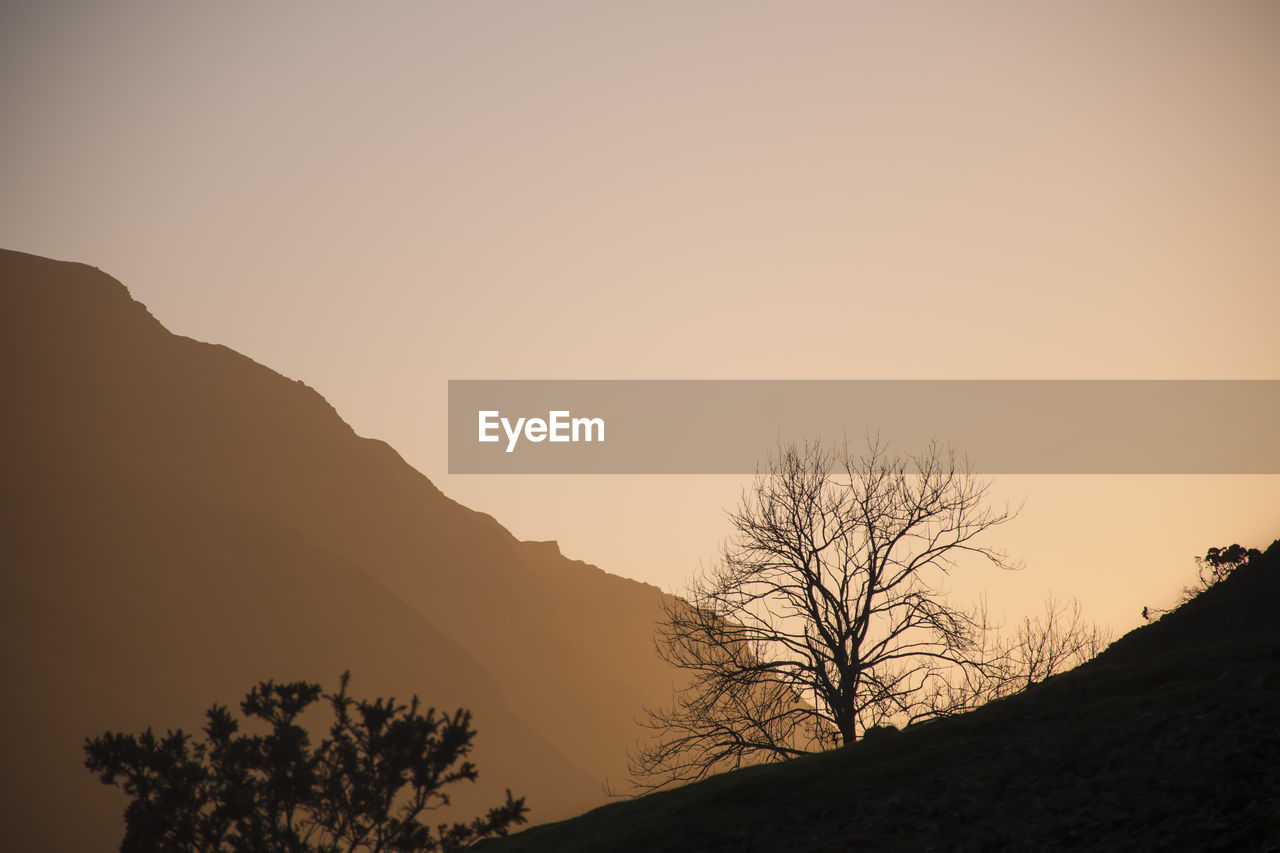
(368, 786)
(1216, 566)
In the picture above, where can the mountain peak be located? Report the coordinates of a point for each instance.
(183, 522)
(544, 546)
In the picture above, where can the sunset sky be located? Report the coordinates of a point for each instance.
(377, 198)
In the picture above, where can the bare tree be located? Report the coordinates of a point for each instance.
(826, 614)
(1055, 641)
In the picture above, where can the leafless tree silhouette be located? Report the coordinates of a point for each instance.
(1055, 641)
(826, 614)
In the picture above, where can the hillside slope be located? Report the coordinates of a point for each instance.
(1169, 741)
(180, 522)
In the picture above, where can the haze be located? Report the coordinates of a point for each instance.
(377, 198)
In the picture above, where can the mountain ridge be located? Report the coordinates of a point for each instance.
(186, 522)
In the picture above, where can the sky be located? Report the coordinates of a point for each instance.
(376, 198)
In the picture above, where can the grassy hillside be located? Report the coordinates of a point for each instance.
(1170, 740)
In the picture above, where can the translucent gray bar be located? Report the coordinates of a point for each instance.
(1003, 426)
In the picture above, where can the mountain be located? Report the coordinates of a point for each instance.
(181, 522)
(1169, 740)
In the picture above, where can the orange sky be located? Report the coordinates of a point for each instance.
(376, 198)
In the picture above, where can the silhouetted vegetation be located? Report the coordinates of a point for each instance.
(368, 786)
(1212, 569)
(824, 617)
(1056, 640)
(1216, 565)
(1167, 741)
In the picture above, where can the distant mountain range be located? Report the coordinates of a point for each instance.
(181, 522)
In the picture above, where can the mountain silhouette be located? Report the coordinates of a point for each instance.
(181, 522)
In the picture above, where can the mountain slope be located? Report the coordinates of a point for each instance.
(1171, 740)
(181, 522)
